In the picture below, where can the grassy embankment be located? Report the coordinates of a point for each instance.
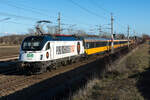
(126, 81)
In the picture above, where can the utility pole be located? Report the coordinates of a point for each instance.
(59, 29)
(128, 34)
(100, 30)
(112, 34)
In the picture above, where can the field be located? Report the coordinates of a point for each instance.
(128, 79)
(8, 51)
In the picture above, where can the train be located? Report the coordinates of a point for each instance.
(40, 53)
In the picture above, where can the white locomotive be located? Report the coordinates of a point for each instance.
(39, 53)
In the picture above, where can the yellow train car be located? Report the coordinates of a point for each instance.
(95, 45)
(120, 43)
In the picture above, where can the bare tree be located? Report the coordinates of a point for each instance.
(145, 37)
(120, 36)
(81, 33)
(12, 39)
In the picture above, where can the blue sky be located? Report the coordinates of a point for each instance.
(23, 14)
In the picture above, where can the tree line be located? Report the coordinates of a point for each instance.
(12, 39)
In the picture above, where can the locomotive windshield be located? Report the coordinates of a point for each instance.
(32, 43)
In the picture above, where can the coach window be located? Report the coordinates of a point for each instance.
(92, 44)
(86, 45)
(48, 46)
(97, 44)
(105, 43)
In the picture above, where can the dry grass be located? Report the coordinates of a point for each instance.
(83, 94)
(119, 83)
(8, 51)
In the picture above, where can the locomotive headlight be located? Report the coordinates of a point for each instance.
(41, 57)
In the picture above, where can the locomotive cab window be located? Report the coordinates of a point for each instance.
(48, 46)
(32, 43)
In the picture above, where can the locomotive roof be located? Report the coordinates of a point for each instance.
(57, 37)
(70, 38)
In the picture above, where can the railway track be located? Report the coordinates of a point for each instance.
(12, 83)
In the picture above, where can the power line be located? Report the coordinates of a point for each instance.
(99, 6)
(87, 10)
(119, 24)
(25, 8)
(107, 11)
(70, 20)
(4, 19)
(18, 16)
(93, 13)
(26, 5)
(19, 23)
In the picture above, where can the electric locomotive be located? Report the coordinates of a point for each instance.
(43, 52)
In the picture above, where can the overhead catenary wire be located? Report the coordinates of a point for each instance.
(19, 23)
(18, 16)
(107, 11)
(26, 5)
(99, 6)
(29, 9)
(87, 10)
(93, 13)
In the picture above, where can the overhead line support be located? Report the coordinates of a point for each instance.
(59, 27)
(128, 34)
(112, 34)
